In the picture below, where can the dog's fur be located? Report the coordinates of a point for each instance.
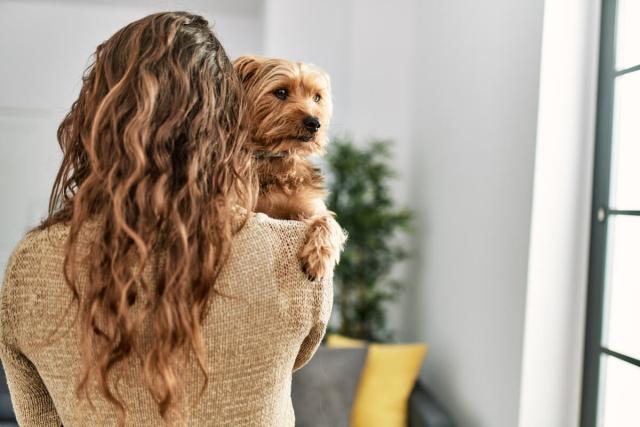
(290, 108)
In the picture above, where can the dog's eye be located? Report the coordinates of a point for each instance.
(281, 93)
(317, 98)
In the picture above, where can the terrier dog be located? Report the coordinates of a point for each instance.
(290, 108)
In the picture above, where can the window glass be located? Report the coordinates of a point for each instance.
(621, 393)
(622, 331)
(625, 175)
(628, 34)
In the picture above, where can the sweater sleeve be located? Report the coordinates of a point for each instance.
(31, 401)
(321, 319)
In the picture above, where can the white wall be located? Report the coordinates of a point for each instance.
(298, 30)
(44, 48)
(474, 123)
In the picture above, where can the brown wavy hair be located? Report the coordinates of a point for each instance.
(154, 152)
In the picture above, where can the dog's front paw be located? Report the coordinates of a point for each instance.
(321, 252)
(315, 265)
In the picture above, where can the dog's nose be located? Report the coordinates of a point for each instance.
(311, 123)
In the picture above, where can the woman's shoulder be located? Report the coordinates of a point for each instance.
(266, 223)
(35, 247)
(270, 244)
(35, 259)
(282, 236)
(269, 241)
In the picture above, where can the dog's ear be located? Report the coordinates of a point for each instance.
(247, 67)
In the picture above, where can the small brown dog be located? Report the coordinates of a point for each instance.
(289, 109)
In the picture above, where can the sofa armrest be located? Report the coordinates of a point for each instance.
(425, 410)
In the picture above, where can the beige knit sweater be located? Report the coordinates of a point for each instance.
(253, 342)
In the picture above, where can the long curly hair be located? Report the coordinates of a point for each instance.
(154, 153)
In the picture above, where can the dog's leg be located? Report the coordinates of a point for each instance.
(321, 251)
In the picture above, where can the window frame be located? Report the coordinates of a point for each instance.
(600, 214)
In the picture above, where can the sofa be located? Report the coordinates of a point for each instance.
(330, 392)
(7, 418)
(425, 410)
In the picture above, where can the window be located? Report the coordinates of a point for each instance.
(611, 380)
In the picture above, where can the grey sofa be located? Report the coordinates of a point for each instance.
(7, 418)
(324, 391)
(425, 410)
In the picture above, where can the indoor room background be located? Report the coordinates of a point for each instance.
(490, 106)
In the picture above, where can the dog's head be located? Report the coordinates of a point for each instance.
(289, 104)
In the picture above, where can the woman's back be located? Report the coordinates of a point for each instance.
(265, 319)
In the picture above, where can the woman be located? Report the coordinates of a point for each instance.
(150, 294)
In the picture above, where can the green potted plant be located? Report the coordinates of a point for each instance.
(359, 178)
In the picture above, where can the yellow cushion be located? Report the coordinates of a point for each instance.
(387, 379)
(340, 341)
